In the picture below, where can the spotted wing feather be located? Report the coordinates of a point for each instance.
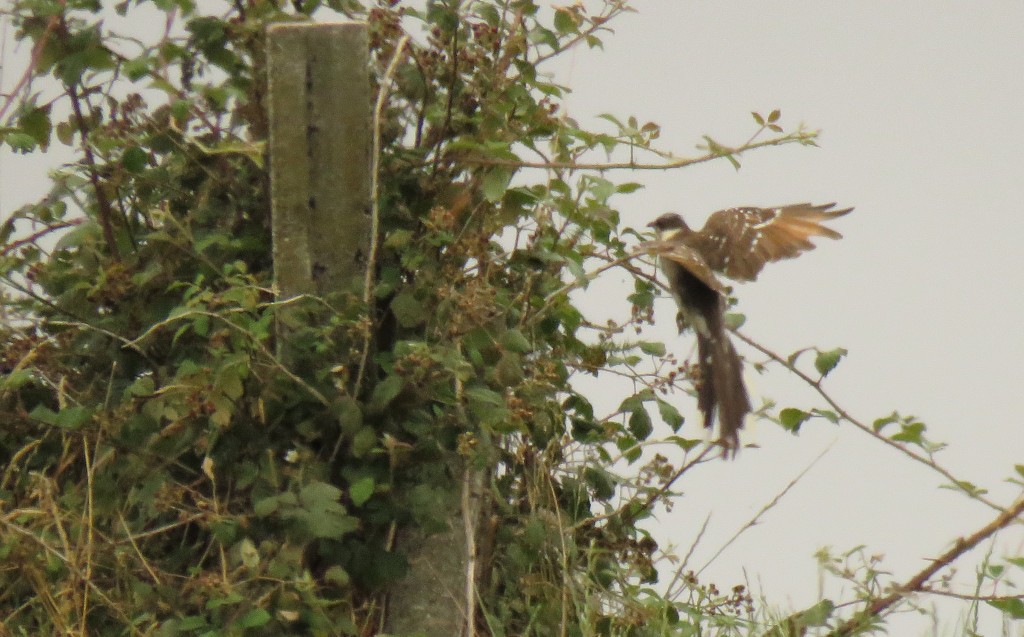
(739, 241)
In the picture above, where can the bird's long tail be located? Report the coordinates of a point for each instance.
(721, 384)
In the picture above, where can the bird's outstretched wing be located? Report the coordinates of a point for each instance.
(686, 256)
(739, 241)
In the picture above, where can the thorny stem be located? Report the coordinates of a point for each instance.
(917, 583)
(845, 415)
(797, 137)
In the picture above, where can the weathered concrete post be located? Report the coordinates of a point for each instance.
(320, 133)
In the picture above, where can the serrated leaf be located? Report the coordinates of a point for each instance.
(1012, 606)
(670, 415)
(826, 361)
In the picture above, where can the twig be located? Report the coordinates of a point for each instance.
(470, 492)
(798, 137)
(686, 559)
(371, 261)
(916, 584)
(768, 507)
(35, 236)
(587, 278)
(105, 211)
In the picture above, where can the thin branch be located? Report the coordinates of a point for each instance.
(916, 584)
(845, 415)
(371, 261)
(105, 211)
(30, 68)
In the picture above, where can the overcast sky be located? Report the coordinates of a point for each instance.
(922, 107)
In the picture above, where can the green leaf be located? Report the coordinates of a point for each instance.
(321, 513)
(880, 423)
(134, 159)
(495, 183)
(361, 490)
(44, 415)
(408, 311)
(350, 415)
(912, 432)
(565, 21)
(15, 379)
(670, 415)
(36, 124)
(653, 348)
(601, 483)
(192, 622)
(385, 392)
(255, 618)
(826, 361)
(515, 341)
(640, 424)
(71, 418)
(1012, 606)
(487, 405)
(363, 442)
(827, 414)
(791, 419)
(337, 575)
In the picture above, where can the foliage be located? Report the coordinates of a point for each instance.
(168, 474)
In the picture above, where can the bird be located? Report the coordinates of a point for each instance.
(736, 243)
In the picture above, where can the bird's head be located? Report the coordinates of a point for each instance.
(668, 225)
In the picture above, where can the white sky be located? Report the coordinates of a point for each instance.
(922, 104)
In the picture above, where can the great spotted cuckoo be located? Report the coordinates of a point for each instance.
(736, 243)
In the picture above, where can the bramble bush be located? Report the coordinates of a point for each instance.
(167, 473)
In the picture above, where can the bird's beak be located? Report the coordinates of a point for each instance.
(652, 224)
